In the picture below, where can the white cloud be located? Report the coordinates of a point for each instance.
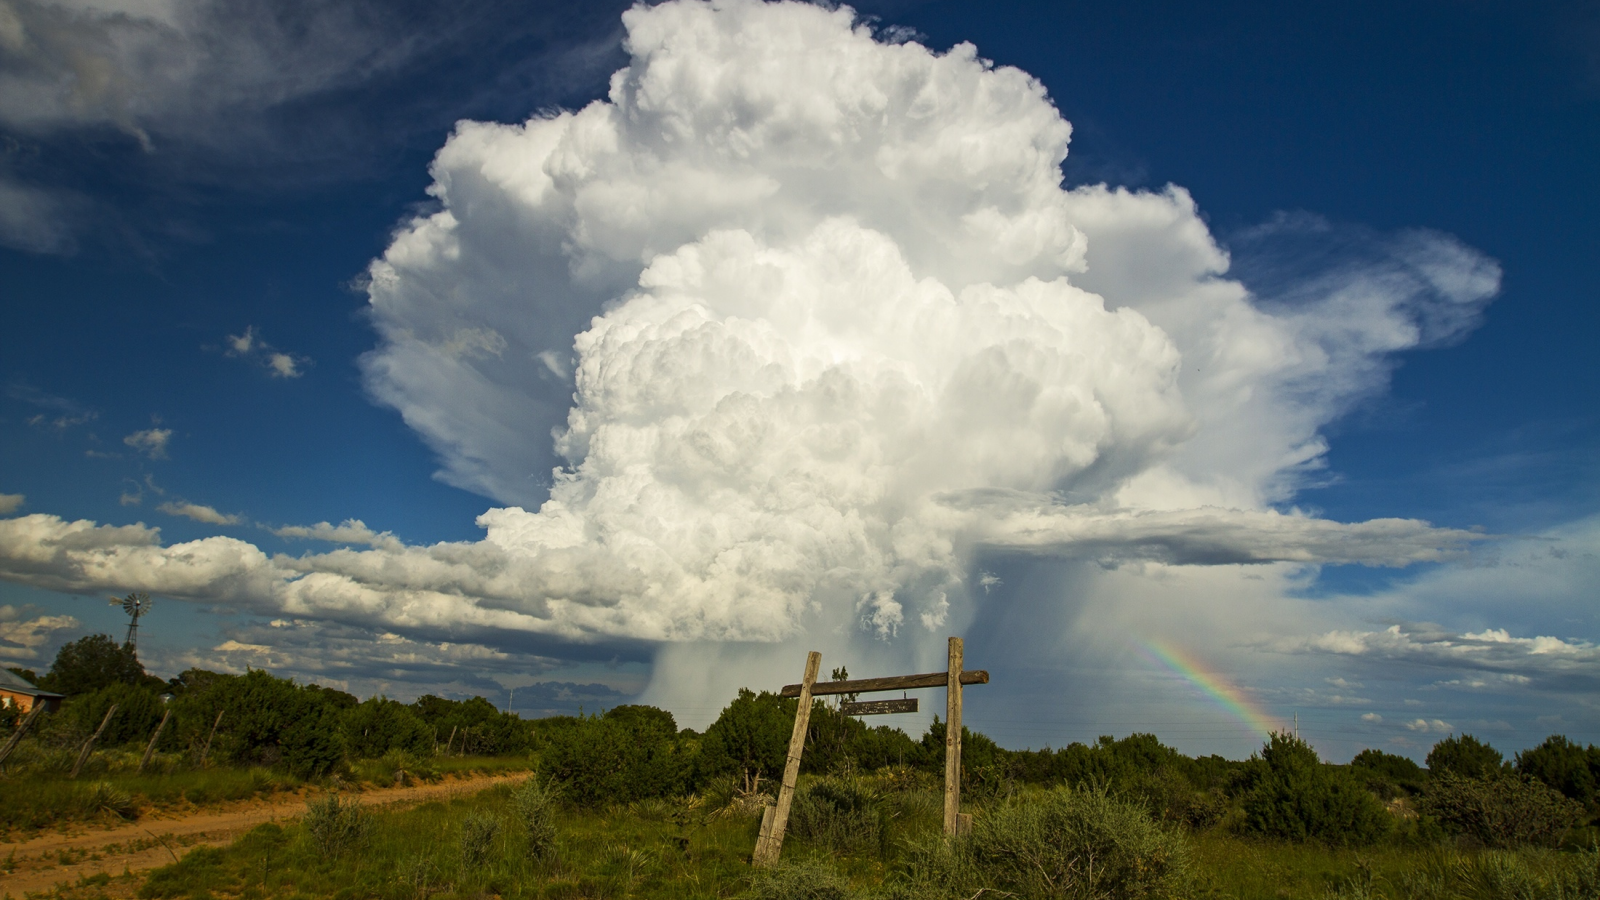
(23, 630)
(10, 503)
(278, 363)
(1514, 661)
(152, 442)
(350, 531)
(1372, 718)
(163, 68)
(819, 332)
(197, 512)
(1437, 726)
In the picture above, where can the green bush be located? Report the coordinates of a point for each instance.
(628, 754)
(313, 746)
(1564, 765)
(1505, 811)
(1063, 844)
(479, 830)
(839, 814)
(750, 737)
(802, 880)
(1465, 757)
(534, 804)
(378, 725)
(1387, 774)
(138, 712)
(334, 826)
(1289, 793)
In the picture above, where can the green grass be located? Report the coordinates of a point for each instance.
(37, 794)
(684, 849)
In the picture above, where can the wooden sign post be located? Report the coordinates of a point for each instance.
(776, 819)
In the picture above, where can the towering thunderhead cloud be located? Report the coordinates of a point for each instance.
(839, 326)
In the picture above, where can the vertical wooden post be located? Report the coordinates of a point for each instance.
(16, 736)
(151, 750)
(767, 850)
(83, 755)
(952, 742)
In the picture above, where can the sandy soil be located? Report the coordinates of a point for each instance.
(161, 837)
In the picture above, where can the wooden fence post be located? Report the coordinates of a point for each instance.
(206, 750)
(151, 750)
(83, 755)
(952, 742)
(767, 850)
(16, 736)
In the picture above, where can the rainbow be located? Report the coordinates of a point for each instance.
(1216, 687)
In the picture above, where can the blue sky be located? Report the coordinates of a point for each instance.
(187, 258)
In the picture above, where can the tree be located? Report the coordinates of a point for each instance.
(1465, 756)
(1290, 794)
(91, 663)
(750, 737)
(1564, 765)
(1387, 774)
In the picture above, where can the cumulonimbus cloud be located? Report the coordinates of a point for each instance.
(795, 323)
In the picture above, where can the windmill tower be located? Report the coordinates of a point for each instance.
(135, 605)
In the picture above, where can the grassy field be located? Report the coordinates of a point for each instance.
(38, 794)
(480, 846)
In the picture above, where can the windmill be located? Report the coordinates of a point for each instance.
(135, 605)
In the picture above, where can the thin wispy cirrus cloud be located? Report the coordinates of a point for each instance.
(818, 352)
(204, 90)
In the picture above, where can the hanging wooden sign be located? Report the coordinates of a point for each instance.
(879, 707)
(775, 821)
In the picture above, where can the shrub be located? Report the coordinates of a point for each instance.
(378, 725)
(313, 746)
(1289, 793)
(1387, 774)
(478, 833)
(1063, 843)
(336, 826)
(618, 758)
(138, 712)
(750, 737)
(1506, 811)
(839, 814)
(1465, 757)
(534, 804)
(803, 880)
(1564, 765)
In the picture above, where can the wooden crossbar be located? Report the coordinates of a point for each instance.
(892, 683)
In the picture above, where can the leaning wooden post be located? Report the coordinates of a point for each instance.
(206, 750)
(151, 750)
(83, 755)
(16, 736)
(771, 844)
(952, 742)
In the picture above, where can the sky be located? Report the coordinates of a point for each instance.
(1210, 370)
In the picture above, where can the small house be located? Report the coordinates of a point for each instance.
(20, 692)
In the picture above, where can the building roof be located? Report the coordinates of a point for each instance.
(16, 684)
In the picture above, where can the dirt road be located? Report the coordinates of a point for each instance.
(159, 838)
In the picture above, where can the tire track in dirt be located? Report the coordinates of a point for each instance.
(159, 838)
